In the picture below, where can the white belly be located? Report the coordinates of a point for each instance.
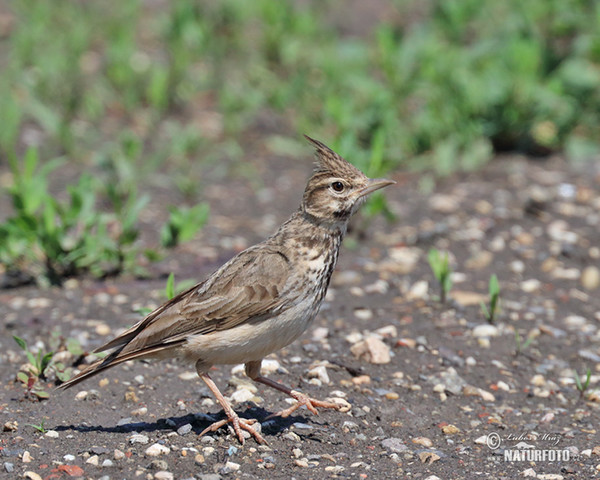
(251, 341)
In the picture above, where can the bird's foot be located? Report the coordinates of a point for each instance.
(310, 403)
(238, 425)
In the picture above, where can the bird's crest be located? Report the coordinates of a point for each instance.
(330, 162)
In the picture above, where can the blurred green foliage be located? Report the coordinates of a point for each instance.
(442, 85)
(129, 86)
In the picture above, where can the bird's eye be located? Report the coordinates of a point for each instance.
(337, 186)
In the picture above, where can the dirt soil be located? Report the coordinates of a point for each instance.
(451, 399)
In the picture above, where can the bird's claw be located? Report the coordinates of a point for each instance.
(303, 400)
(238, 425)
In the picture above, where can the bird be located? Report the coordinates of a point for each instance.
(258, 302)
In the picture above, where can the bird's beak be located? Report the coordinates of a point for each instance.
(375, 184)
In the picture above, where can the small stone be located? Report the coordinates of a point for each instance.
(32, 476)
(184, 429)
(406, 342)
(531, 285)
(575, 321)
(363, 313)
(296, 452)
(157, 449)
(163, 475)
(118, 454)
(319, 334)
(426, 442)
(334, 469)
(590, 278)
(103, 329)
(107, 463)
(432, 477)
(11, 426)
(320, 372)
(529, 472)
(9, 467)
(82, 395)
(138, 412)
(93, 460)
(485, 331)
(302, 463)
(428, 457)
(68, 457)
(232, 466)
(26, 457)
(138, 438)
(372, 350)
(393, 444)
(241, 395)
(418, 290)
(188, 376)
(450, 429)
(131, 396)
(392, 396)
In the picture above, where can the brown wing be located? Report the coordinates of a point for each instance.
(249, 287)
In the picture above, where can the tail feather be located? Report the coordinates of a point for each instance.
(113, 359)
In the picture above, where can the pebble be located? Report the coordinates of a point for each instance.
(485, 331)
(590, 278)
(320, 372)
(432, 477)
(11, 426)
(32, 476)
(68, 457)
(51, 434)
(241, 395)
(157, 449)
(363, 314)
(372, 350)
(531, 285)
(138, 438)
(26, 457)
(232, 466)
(319, 334)
(184, 429)
(426, 442)
(188, 376)
(394, 444)
(138, 412)
(419, 290)
(163, 476)
(450, 429)
(118, 454)
(93, 460)
(10, 467)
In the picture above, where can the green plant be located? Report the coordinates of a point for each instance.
(521, 345)
(183, 224)
(440, 266)
(39, 362)
(582, 387)
(494, 292)
(39, 427)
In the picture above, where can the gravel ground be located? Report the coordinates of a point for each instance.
(428, 390)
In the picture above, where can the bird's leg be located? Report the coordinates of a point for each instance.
(253, 371)
(238, 423)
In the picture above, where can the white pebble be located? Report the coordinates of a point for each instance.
(485, 331)
(138, 438)
(157, 449)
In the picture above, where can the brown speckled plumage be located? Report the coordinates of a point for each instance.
(259, 301)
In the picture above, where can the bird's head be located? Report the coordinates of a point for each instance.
(337, 188)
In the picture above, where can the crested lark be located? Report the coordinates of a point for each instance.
(258, 302)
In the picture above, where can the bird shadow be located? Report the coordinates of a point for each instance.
(198, 422)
